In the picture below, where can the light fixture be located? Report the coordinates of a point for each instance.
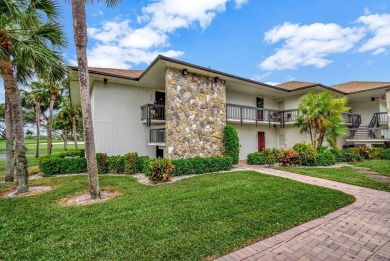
(372, 98)
(184, 72)
(216, 79)
(105, 81)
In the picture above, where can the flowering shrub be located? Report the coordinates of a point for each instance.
(287, 157)
(131, 162)
(102, 163)
(160, 170)
(271, 156)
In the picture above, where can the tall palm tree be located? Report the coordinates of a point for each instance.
(321, 117)
(39, 94)
(63, 121)
(28, 34)
(9, 136)
(80, 40)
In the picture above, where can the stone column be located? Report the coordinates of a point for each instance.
(195, 109)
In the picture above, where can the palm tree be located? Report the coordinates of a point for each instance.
(321, 117)
(9, 136)
(63, 121)
(28, 34)
(39, 95)
(80, 40)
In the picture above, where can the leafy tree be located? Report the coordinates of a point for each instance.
(29, 35)
(80, 40)
(321, 116)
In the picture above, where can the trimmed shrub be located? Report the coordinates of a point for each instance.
(143, 164)
(160, 170)
(376, 153)
(385, 154)
(256, 158)
(200, 165)
(116, 164)
(56, 165)
(231, 143)
(325, 159)
(131, 162)
(102, 163)
(306, 154)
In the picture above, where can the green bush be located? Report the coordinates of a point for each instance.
(70, 154)
(116, 164)
(256, 158)
(56, 165)
(231, 143)
(288, 157)
(142, 164)
(131, 162)
(306, 154)
(200, 165)
(376, 153)
(271, 156)
(325, 159)
(102, 163)
(385, 154)
(160, 170)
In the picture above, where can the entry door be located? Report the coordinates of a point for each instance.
(260, 104)
(261, 141)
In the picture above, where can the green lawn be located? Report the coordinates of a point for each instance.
(31, 146)
(344, 174)
(381, 166)
(32, 161)
(197, 218)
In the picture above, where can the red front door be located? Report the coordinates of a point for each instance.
(261, 141)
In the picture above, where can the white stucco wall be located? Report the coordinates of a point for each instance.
(249, 99)
(248, 138)
(366, 109)
(292, 102)
(117, 118)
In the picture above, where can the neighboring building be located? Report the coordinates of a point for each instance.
(176, 109)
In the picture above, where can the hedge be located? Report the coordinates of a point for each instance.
(56, 165)
(200, 165)
(257, 158)
(231, 143)
(143, 164)
(325, 159)
(385, 154)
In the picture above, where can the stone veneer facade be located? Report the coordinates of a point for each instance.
(195, 110)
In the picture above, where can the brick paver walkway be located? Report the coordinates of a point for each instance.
(360, 231)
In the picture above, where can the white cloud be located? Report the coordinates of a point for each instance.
(367, 11)
(379, 26)
(120, 44)
(305, 45)
(97, 12)
(273, 83)
(259, 77)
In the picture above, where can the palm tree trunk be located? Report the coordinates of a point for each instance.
(50, 126)
(9, 136)
(80, 39)
(74, 130)
(38, 122)
(13, 93)
(388, 106)
(65, 139)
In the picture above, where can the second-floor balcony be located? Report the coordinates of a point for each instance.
(152, 113)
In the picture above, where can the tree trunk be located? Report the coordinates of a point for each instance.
(388, 106)
(13, 93)
(74, 130)
(50, 125)
(38, 122)
(80, 39)
(9, 136)
(66, 139)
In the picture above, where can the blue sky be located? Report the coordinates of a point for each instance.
(270, 41)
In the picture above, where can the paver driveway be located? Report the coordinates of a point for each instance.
(360, 231)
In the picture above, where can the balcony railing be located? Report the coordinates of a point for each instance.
(151, 112)
(368, 133)
(350, 118)
(157, 135)
(247, 113)
(381, 117)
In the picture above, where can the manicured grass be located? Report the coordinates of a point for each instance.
(193, 219)
(31, 146)
(381, 166)
(344, 174)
